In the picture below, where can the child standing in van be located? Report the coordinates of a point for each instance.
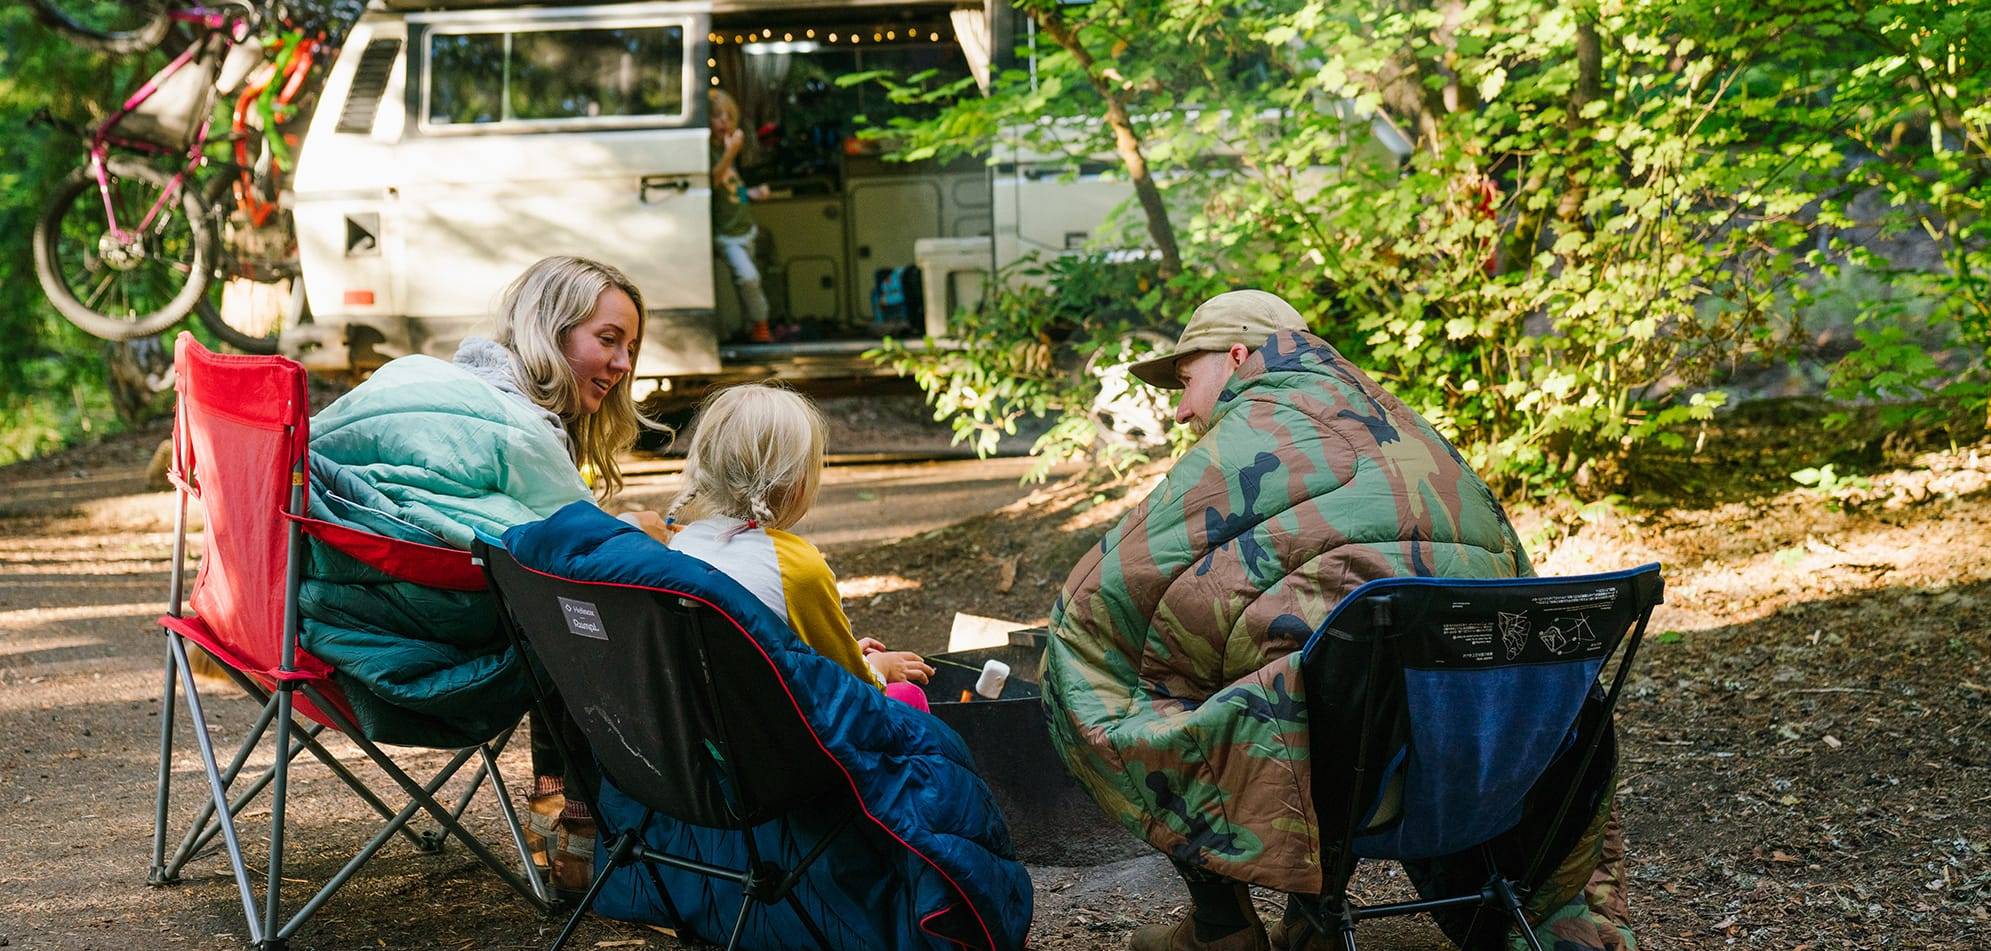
(733, 231)
(755, 462)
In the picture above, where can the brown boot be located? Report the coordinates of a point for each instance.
(1181, 936)
(574, 859)
(1298, 935)
(542, 827)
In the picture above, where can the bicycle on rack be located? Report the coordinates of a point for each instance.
(138, 238)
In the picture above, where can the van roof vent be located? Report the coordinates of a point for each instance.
(369, 82)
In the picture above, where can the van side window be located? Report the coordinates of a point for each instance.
(466, 77)
(556, 75)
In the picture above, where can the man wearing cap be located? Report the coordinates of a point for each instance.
(1172, 681)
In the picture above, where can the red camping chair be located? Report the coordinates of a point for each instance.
(240, 430)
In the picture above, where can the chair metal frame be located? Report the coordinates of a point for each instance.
(1335, 912)
(762, 882)
(267, 927)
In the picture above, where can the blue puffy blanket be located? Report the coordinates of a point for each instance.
(928, 865)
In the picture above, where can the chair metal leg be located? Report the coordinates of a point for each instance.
(394, 824)
(280, 789)
(157, 874)
(424, 797)
(740, 922)
(1347, 925)
(216, 790)
(617, 857)
(200, 833)
(1505, 890)
(794, 901)
(203, 831)
(512, 827)
(323, 755)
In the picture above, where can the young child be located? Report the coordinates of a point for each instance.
(752, 470)
(733, 231)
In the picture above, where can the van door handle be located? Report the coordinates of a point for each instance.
(671, 183)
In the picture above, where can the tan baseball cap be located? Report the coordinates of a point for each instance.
(1246, 317)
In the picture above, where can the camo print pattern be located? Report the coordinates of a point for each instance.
(1172, 679)
(1598, 918)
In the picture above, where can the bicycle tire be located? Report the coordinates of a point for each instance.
(49, 238)
(295, 311)
(230, 264)
(142, 34)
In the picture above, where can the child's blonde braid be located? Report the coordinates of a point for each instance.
(757, 502)
(683, 498)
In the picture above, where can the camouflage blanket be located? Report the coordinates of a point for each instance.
(1172, 681)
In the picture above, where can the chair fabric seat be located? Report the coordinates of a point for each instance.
(311, 670)
(928, 863)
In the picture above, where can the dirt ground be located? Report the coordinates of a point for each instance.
(1807, 735)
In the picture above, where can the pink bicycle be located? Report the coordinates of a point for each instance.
(130, 244)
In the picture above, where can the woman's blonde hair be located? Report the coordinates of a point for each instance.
(757, 454)
(539, 308)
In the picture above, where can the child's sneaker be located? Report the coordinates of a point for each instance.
(758, 333)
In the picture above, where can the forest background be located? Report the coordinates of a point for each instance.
(1603, 221)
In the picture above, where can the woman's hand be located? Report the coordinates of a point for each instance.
(896, 666)
(652, 525)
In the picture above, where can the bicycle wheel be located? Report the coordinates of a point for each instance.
(126, 284)
(255, 321)
(114, 26)
(257, 292)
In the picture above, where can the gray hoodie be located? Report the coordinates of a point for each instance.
(489, 361)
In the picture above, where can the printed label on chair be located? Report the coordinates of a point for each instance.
(582, 619)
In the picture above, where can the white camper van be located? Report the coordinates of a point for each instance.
(455, 143)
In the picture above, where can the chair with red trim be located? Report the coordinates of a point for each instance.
(748, 790)
(702, 748)
(240, 433)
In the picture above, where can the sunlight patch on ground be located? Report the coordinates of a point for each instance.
(93, 568)
(870, 586)
(26, 618)
(1905, 534)
(15, 646)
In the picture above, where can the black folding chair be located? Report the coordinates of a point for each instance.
(683, 713)
(1451, 716)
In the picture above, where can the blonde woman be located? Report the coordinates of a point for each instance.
(510, 431)
(567, 337)
(751, 473)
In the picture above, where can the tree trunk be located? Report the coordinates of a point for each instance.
(1126, 142)
(1589, 88)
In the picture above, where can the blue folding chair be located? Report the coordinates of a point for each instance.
(1461, 720)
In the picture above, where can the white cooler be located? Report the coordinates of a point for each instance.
(952, 273)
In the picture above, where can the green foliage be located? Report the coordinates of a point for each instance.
(1838, 489)
(1602, 204)
(1054, 345)
(1919, 111)
(52, 373)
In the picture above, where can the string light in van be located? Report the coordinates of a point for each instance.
(765, 40)
(779, 47)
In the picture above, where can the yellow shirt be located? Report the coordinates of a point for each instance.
(788, 575)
